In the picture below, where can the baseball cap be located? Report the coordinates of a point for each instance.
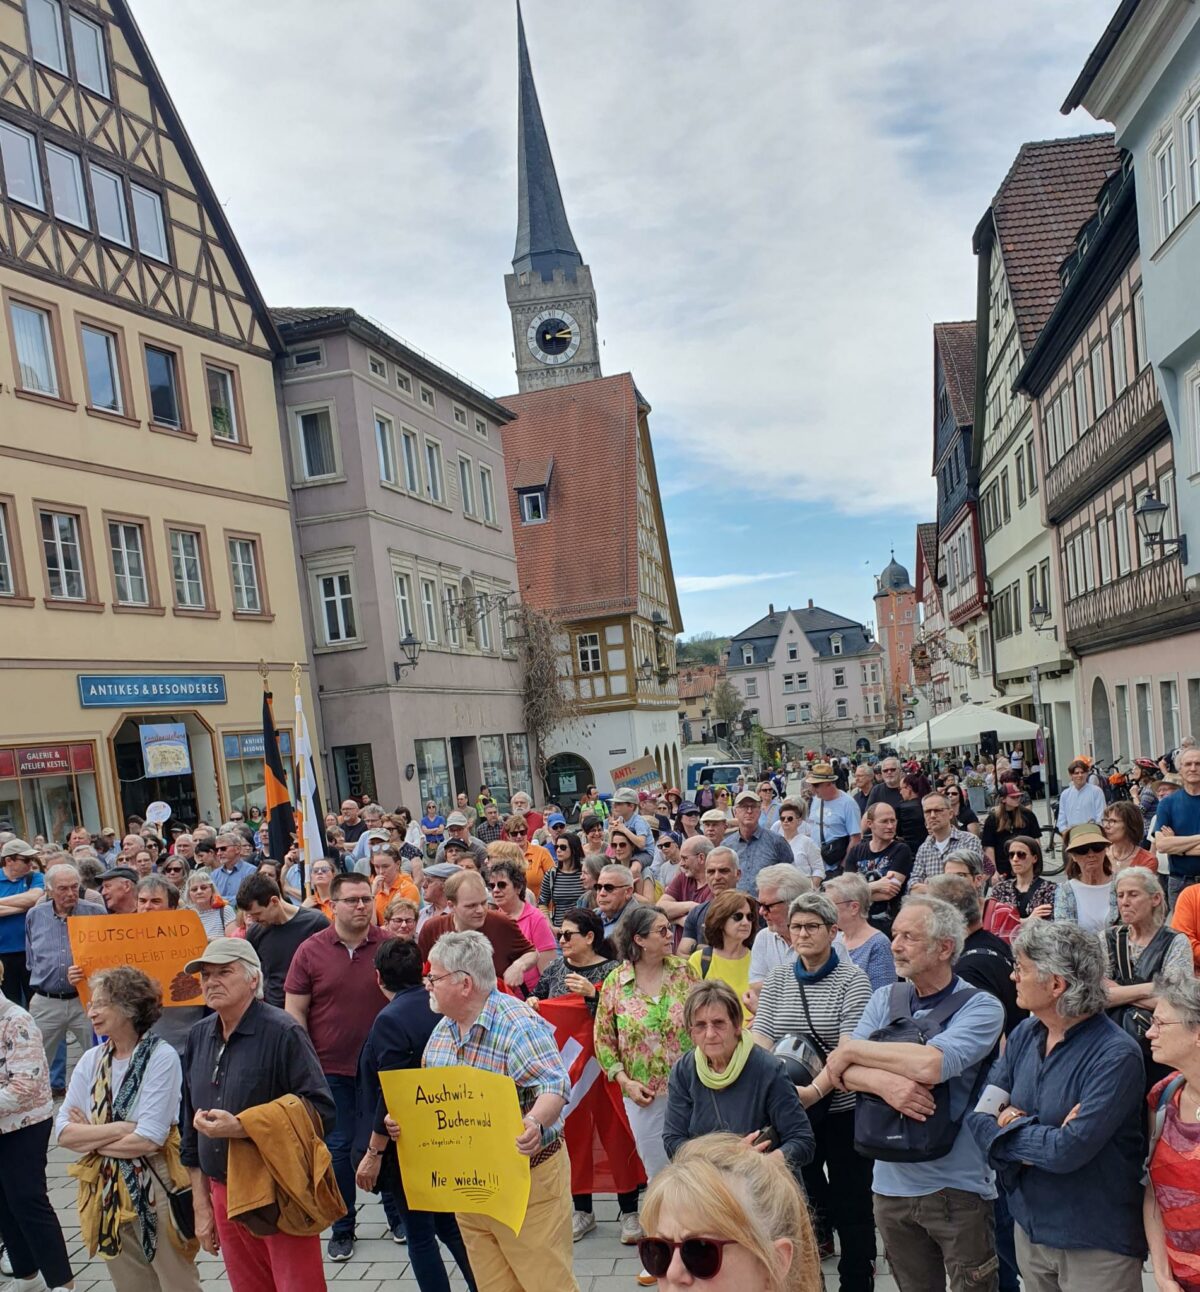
(673, 835)
(746, 796)
(714, 814)
(456, 845)
(377, 836)
(556, 818)
(625, 795)
(17, 848)
(121, 872)
(443, 870)
(456, 818)
(688, 808)
(108, 832)
(225, 951)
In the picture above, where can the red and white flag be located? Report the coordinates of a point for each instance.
(604, 1157)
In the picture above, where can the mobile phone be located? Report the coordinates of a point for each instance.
(769, 1136)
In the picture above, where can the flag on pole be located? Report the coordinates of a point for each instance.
(310, 838)
(604, 1157)
(280, 821)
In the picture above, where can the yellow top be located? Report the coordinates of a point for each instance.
(735, 972)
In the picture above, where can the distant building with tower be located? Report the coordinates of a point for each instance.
(896, 622)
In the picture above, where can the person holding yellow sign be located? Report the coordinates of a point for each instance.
(483, 1028)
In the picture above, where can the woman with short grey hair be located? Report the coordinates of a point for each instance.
(1063, 950)
(866, 946)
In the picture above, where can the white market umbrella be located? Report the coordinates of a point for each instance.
(962, 726)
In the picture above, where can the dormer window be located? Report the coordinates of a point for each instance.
(532, 487)
(835, 644)
(533, 507)
(747, 654)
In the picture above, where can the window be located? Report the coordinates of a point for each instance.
(67, 198)
(801, 681)
(1031, 579)
(1020, 478)
(1122, 733)
(1164, 168)
(1004, 500)
(751, 688)
(427, 397)
(1145, 715)
(1121, 531)
(835, 644)
(1168, 695)
(433, 471)
(429, 607)
(1166, 494)
(148, 222)
(310, 357)
(453, 601)
(1044, 581)
(8, 574)
(1141, 347)
(466, 484)
(747, 654)
(1099, 394)
(793, 650)
(485, 634)
(316, 444)
(377, 366)
(588, 647)
(533, 506)
(404, 604)
(109, 197)
(1030, 467)
(1081, 408)
(385, 444)
(46, 34)
(842, 709)
(127, 544)
(62, 547)
(91, 67)
(789, 713)
(404, 382)
(806, 713)
(336, 596)
(789, 682)
(487, 495)
(243, 569)
(412, 470)
(1191, 155)
(187, 569)
(460, 416)
(34, 343)
(1104, 549)
(162, 372)
(839, 677)
(18, 153)
(481, 428)
(1120, 362)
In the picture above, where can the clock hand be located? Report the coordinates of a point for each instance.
(563, 336)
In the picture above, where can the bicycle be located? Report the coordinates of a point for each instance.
(1118, 782)
(1053, 860)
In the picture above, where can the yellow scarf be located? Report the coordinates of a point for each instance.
(733, 1069)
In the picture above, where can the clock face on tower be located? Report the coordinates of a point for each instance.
(553, 337)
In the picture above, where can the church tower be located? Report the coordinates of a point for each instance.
(550, 290)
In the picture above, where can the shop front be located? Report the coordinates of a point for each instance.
(46, 789)
(446, 767)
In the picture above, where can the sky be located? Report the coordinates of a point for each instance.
(776, 199)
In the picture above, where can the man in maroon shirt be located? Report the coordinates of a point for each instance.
(332, 991)
(512, 953)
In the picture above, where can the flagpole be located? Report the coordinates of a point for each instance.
(301, 755)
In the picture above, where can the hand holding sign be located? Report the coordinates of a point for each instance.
(158, 812)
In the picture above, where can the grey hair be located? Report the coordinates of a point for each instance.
(700, 843)
(797, 805)
(625, 873)
(945, 922)
(737, 864)
(374, 809)
(61, 868)
(85, 852)
(594, 863)
(1183, 996)
(157, 883)
(1061, 949)
(468, 953)
(1148, 881)
(853, 888)
(966, 857)
(814, 904)
(201, 875)
(960, 893)
(228, 832)
(637, 923)
(787, 881)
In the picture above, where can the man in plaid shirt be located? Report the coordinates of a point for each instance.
(482, 1027)
(944, 838)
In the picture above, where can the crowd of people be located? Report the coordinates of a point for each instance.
(825, 1025)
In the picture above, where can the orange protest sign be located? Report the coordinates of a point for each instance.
(159, 943)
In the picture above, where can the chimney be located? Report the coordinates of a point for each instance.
(810, 604)
(770, 607)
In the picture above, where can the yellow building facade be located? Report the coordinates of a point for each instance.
(146, 554)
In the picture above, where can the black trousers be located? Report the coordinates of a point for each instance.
(625, 1201)
(28, 1224)
(16, 977)
(838, 1182)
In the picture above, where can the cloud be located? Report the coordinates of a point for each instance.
(718, 582)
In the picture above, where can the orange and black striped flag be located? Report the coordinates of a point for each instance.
(281, 825)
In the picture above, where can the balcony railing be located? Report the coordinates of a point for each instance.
(1139, 605)
(1132, 421)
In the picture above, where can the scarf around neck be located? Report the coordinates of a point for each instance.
(806, 977)
(733, 1069)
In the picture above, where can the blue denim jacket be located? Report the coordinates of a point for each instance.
(1078, 1185)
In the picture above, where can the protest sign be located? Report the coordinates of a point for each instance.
(642, 775)
(458, 1141)
(159, 943)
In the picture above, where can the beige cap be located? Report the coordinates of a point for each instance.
(226, 951)
(713, 814)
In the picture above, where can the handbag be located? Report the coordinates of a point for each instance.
(183, 1211)
(1136, 1019)
(1001, 918)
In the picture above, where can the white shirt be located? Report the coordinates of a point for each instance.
(156, 1108)
(807, 854)
(1092, 904)
(769, 952)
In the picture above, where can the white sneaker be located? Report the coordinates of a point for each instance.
(582, 1222)
(34, 1284)
(631, 1228)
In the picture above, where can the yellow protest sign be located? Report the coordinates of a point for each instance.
(159, 943)
(458, 1141)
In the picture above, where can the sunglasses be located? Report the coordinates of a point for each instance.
(517, 834)
(1018, 852)
(567, 934)
(1090, 848)
(497, 884)
(701, 1257)
(610, 888)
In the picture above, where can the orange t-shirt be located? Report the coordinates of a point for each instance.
(1185, 918)
(537, 862)
(402, 887)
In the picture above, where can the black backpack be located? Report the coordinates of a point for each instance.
(879, 1130)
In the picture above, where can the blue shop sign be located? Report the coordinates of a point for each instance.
(120, 691)
(250, 745)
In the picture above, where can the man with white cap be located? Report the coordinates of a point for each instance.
(21, 888)
(756, 847)
(458, 827)
(247, 1053)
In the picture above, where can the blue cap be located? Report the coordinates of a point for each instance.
(674, 835)
(556, 818)
(688, 807)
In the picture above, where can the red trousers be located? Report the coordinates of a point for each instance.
(280, 1263)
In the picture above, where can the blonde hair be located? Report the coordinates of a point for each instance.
(506, 850)
(720, 1187)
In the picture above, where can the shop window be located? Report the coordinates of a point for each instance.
(244, 768)
(493, 768)
(519, 777)
(433, 774)
(354, 767)
(47, 789)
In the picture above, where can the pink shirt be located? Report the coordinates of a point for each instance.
(538, 931)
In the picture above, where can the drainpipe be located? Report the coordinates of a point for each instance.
(987, 583)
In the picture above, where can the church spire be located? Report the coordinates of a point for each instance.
(544, 241)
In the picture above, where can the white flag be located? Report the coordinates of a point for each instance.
(310, 835)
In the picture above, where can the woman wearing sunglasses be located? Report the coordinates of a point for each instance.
(726, 1218)
(506, 886)
(200, 896)
(1024, 888)
(729, 925)
(562, 886)
(1087, 897)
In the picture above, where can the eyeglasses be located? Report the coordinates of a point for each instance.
(401, 920)
(429, 979)
(741, 915)
(789, 819)
(807, 928)
(172, 870)
(764, 907)
(610, 888)
(356, 901)
(562, 847)
(701, 1257)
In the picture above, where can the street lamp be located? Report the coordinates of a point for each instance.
(1151, 516)
(412, 652)
(645, 669)
(1038, 615)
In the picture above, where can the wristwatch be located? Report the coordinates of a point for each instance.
(376, 1152)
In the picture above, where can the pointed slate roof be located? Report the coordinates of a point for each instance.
(544, 239)
(955, 344)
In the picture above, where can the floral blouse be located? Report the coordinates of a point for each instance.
(639, 1034)
(1040, 893)
(22, 1056)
